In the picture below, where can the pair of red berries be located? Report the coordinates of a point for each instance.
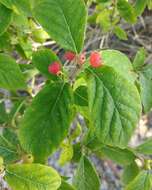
(95, 58)
(55, 67)
(95, 61)
(70, 56)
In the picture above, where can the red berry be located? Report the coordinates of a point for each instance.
(54, 68)
(82, 59)
(95, 59)
(69, 56)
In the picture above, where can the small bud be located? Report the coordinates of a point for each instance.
(28, 159)
(82, 59)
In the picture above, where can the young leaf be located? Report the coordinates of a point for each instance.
(11, 77)
(130, 172)
(114, 106)
(5, 18)
(86, 177)
(145, 147)
(120, 33)
(140, 6)
(52, 111)
(139, 58)
(119, 62)
(66, 153)
(142, 181)
(32, 176)
(42, 59)
(126, 11)
(103, 19)
(66, 186)
(64, 21)
(25, 48)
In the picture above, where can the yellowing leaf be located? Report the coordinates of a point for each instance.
(32, 176)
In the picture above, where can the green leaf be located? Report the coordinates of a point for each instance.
(147, 71)
(5, 18)
(23, 6)
(145, 78)
(149, 4)
(7, 3)
(130, 172)
(3, 114)
(19, 6)
(145, 147)
(64, 21)
(120, 33)
(118, 155)
(66, 186)
(77, 152)
(119, 62)
(5, 42)
(17, 109)
(52, 110)
(142, 181)
(11, 77)
(21, 22)
(126, 11)
(114, 106)
(42, 59)
(81, 96)
(86, 177)
(32, 176)
(139, 59)
(11, 136)
(140, 6)
(7, 150)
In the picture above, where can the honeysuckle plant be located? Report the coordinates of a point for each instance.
(108, 90)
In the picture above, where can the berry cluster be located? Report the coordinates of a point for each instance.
(95, 58)
(95, 61)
